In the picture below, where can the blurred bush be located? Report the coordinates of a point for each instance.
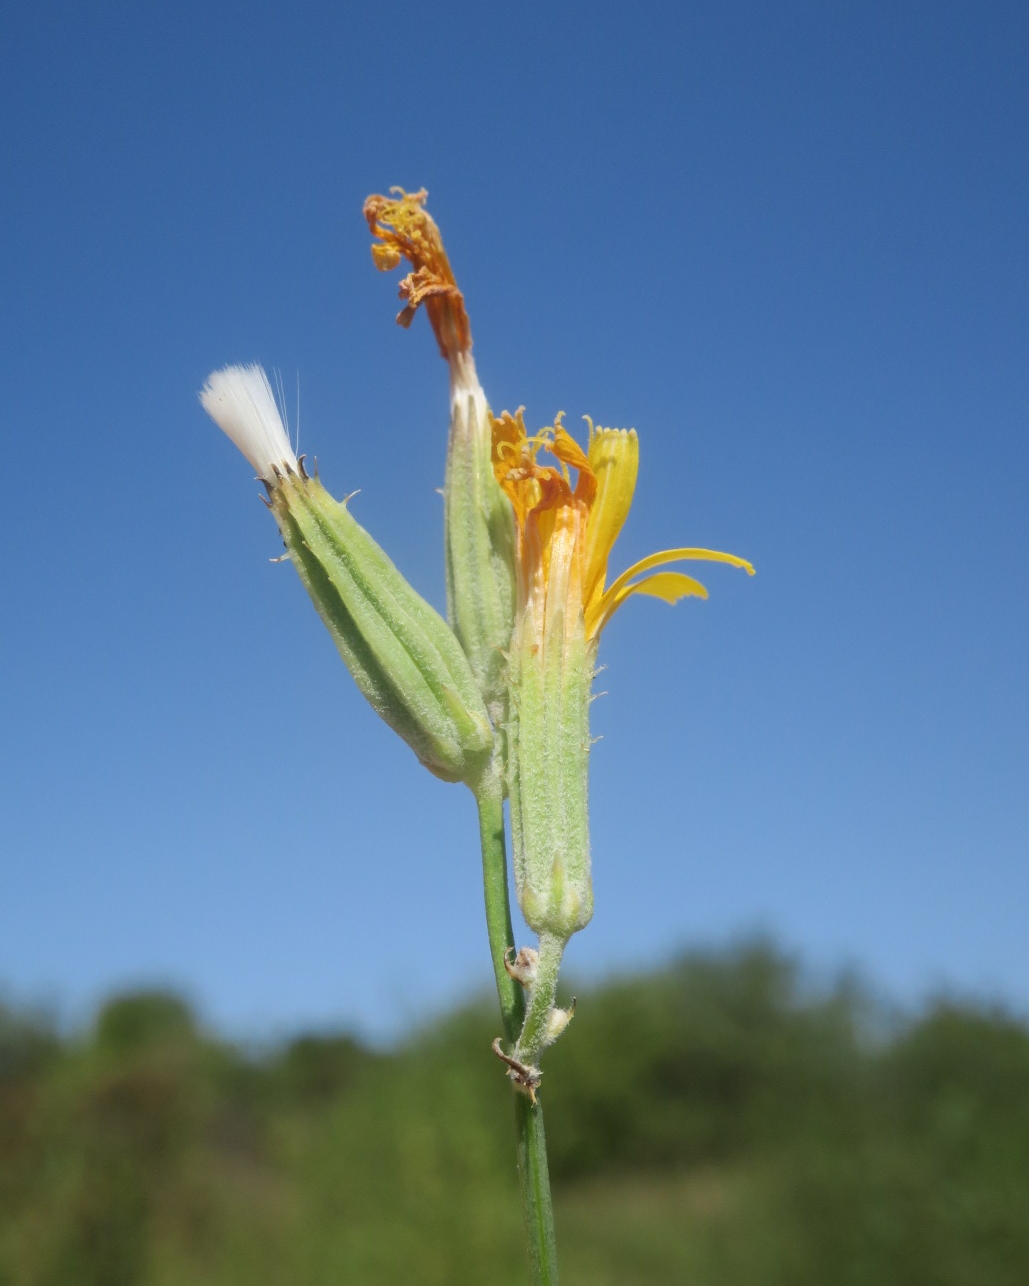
(718, 1122)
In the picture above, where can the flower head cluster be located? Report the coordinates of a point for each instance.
(499, 697)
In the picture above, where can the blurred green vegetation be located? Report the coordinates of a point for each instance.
(717, 1123)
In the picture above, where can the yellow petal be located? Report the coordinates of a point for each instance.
(601, 611)
(678, 556)
(668, 586)
(567, 450)
(614, 460)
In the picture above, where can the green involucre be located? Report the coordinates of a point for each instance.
(480, 550)
(548, 762)
(402, 654)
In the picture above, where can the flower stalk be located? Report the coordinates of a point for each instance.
(530, 1136)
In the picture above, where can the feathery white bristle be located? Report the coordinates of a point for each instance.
(240, 401)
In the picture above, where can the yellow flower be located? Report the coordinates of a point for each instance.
(566, 533)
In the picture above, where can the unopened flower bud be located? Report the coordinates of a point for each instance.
(557, 1020)
(402, 654)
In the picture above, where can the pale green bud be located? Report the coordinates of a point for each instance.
(402, 654)
(551, 673)
(480, 537)
(557, 1021)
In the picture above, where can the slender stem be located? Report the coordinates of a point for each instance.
(533, 1172)
(489, 796)
(535, 1182)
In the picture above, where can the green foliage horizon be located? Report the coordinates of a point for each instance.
(719, 1121)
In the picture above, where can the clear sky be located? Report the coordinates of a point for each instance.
(787, 242)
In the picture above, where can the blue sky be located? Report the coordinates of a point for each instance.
(786, 242)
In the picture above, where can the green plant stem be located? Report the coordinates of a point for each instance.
(535, 1184)
(489, 796)
(533, 1172)
(533, 1035)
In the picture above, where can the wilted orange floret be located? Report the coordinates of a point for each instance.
(406, 230)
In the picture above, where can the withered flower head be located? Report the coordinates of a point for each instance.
(405, 230)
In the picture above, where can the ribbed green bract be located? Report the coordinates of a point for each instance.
(548, 761)
(402, 654)
(480, 544)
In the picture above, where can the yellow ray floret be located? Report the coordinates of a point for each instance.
(546, 502)
(404, 229)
